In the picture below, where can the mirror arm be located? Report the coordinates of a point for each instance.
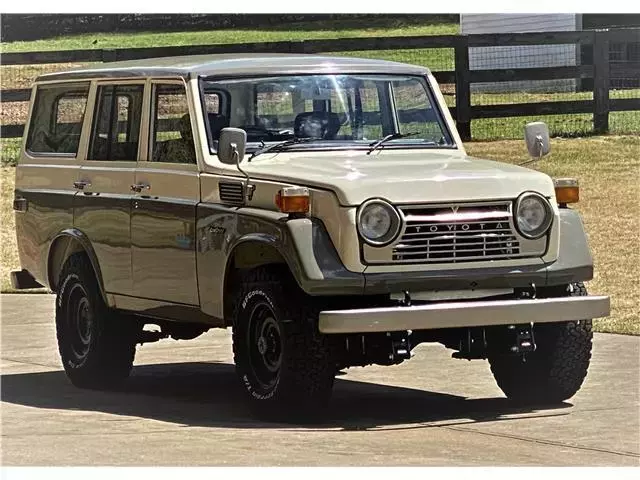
(249, 187)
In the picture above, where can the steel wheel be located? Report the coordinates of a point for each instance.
(265, 344)
(79, 322)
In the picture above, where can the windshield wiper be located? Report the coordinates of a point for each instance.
(279, 145)
(392, 136)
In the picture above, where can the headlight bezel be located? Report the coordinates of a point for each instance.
(394, 229)
(545, 226)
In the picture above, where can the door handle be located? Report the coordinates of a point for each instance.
(138, 187)
(81, 184)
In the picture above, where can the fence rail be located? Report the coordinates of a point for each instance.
(602, 69)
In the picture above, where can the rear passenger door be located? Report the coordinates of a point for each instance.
(47, 170)
(102, 208)
(164, 205)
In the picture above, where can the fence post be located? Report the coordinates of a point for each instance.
(601, 81)
(463, 88)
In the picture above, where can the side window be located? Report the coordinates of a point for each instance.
(274, 107)
(370, 104)
(171, 136)
(358, 107)
(212, 103)
(56, 122)
(116, 126)
(216, 113)
(415, 111)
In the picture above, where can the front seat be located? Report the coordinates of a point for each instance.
(323, 125)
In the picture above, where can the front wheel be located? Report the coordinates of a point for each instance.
(556, 370)
(283, 361)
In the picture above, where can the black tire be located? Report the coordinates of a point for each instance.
(284, 364)
(556, 370)
(97, 345)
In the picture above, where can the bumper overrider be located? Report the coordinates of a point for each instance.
(464, 314)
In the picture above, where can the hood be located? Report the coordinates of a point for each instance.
(401, 177)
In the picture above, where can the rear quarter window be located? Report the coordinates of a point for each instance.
(56, 121)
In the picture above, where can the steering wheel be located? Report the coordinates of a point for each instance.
(259, 131)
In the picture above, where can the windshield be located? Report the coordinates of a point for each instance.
(333, 110)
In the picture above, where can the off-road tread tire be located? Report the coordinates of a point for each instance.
(113, 344)
(556, 370)
(308, 369)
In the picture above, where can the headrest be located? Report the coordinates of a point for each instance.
(185, 127)
(316, 125)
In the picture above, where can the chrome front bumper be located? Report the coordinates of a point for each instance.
(464, 314)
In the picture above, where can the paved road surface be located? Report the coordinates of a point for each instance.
(183, 407)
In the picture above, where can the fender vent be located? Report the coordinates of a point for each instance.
(231, 192)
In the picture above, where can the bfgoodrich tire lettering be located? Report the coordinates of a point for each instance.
(96, 345)
(283, 362)
(556, 370)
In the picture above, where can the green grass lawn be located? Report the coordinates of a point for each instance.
(608, 169)
(289, 31)
(438, 59)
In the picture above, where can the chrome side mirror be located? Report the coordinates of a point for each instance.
(231, 145)
(536, 135)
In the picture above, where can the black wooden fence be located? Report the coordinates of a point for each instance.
(602, 70)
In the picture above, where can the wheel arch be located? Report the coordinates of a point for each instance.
(251, 251)
(65, 244)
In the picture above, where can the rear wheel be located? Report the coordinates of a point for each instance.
(556, 370)
(96, 345)
(284, 363)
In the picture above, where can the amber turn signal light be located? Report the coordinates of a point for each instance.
(293, 200)
(567, 190)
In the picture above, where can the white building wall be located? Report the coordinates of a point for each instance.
(529, 56)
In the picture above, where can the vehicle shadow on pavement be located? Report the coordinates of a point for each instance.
(210, 395)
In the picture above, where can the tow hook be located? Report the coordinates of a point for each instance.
(524, 339)
(406, 302)
(147, 336)
(400, 346)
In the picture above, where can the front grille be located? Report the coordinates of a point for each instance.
(457, 233)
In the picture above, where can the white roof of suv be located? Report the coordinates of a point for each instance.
(235, 65)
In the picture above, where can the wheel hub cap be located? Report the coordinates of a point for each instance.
(262, 345)
(265, 344)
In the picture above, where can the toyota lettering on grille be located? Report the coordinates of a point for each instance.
(456, 227)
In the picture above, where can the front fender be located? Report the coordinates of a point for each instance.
(574, 262)
(303, 243)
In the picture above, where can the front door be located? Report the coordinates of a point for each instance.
(102, 208)
(164, 205)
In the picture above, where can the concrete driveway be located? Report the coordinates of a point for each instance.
(183, 406)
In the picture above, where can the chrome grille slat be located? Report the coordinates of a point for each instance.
(458, 217)
(457, 233)
(451, 250)
(458, 222)
(472, 244)
(460, 233)
(411, 259)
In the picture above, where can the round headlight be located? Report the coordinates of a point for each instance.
(533, 215)
(378, 222)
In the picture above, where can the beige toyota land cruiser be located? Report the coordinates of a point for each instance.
(324, 208)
